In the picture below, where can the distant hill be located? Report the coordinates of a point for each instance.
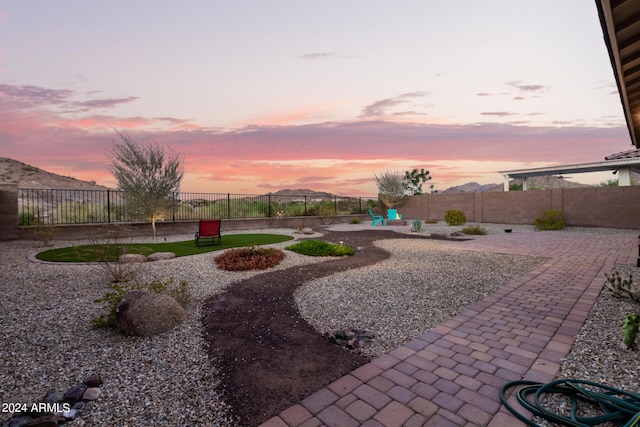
(546, 182)
(471, 187)
(303, 192)
(27, 176)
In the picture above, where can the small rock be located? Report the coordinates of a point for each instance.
(74, 394)
(158, 256)
(304, 230)
(93, 380)
(52, 396)
(92, 393)
(71, 414)
(20, 421)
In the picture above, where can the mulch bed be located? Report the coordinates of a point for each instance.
(270, 356)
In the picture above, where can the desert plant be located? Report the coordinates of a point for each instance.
(149, 175)
(391, 187)
(416, 225)
(550, 220)
(180, 291)
(320, 248)
(105, 249)
(326, 210)
(622, 288)
(113, 297)
(250, 258)
(430, 221)
(415, 179)
(44, 233)
(474, 230)
(27, 218)
(455, 217)
(630, 327)
(355, 220)
(277, 218)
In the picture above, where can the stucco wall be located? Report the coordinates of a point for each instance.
(613, 207)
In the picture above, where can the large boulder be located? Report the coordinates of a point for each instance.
(144, 314)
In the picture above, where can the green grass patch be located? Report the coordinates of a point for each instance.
(96, 253)
(320, 248)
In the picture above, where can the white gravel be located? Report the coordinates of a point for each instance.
(47, 340)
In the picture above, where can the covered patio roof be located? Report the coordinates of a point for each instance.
(620, 21)
(625, 163)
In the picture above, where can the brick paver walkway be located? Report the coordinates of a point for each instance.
(451, 375)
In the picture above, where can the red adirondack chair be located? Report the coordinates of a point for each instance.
(209, 228)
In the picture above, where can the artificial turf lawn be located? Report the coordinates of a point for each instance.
(94, 253)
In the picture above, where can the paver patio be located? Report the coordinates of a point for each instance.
(452, 374)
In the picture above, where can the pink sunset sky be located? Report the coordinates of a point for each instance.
(260, 96)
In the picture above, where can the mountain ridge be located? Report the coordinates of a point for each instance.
(24, 175)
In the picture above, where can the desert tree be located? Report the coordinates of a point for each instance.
(415, 179)
(148, 174)
(391, 187)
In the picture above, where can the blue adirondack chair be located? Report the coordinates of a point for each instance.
(377, 218)
(393, 214)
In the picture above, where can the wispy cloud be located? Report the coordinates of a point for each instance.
(382, 108)
(497, 113)
(324, 55)
(104, 103)
(537, 88)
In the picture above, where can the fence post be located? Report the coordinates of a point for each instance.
(108, 205)
(305, 205)
(335, 205)
(269, 206)
(173, 211)
(228, 205)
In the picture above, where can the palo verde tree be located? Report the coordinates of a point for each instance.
(391, 187)
(148, 174)
(416, 179)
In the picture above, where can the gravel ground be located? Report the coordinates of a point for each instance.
(47, 340)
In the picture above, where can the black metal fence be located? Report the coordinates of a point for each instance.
(49, 206)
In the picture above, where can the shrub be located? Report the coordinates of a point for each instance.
(117, 290)
(320, 248)
(416, 225)
(250, 258)
(455, 217)
(475, 230)
(43, 233)
(355, 220)
(27, 218)
(430, 221)
(326, 210)
(550, 220)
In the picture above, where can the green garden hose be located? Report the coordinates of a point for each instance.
(619, 406)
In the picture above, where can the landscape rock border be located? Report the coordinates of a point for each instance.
(57, 408)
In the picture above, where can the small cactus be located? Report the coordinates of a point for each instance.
(630, 327)
(623, 288)
(416, 225)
